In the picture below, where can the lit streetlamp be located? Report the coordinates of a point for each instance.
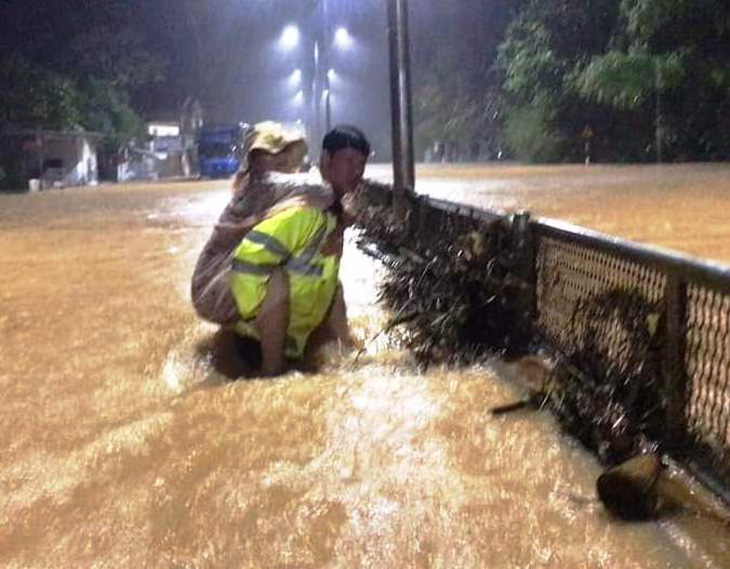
(295, 79)
(343, 39)
(322, 75)
(400, 85)
(289, 38)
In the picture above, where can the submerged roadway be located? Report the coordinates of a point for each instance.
(125, 442)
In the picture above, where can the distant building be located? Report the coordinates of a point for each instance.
(165, 143)
(48, 158)
(159, 155)
(191, 121)
(170, 147)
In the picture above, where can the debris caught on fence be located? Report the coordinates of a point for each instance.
(454, 277)
(453, 281)
(470, 283)
(611, 404)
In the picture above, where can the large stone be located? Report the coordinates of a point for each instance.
(629, 490)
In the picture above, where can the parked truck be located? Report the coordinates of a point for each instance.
(220, 150)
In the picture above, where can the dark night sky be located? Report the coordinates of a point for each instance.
(224, 51)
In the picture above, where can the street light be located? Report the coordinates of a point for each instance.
(289, 38)
(400, 85)
(321, 42)
(343, 39)
(295, 79)
(296, 104)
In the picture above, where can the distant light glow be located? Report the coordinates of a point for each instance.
(325, 93)
(289, 38)
(157, 129)
(331, 75)
(295, 79)
(343, 39)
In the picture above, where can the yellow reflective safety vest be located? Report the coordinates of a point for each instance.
(292, 239)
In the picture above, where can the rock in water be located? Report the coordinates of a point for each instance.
(629, 490)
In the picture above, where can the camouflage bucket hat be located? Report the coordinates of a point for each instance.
(274, 137)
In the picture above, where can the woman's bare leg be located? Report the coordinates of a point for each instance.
(336, 321)
(272, 322)
(334, 328)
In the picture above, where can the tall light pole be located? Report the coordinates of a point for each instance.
(327, 86)
(319, 42)
(316, 98)
(400, 102)
(341, 38)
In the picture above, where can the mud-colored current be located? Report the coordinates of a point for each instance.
(124, 442)
(677, 206)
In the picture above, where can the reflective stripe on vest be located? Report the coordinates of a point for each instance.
(301, 264)
(239, 266)
(312, 276)
(272, 244)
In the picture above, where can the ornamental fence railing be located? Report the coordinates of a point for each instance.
(647, 330)
(616, 307)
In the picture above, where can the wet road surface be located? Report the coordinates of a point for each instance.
(124, 441)
(681, 207)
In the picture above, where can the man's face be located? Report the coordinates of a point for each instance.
(343, 169)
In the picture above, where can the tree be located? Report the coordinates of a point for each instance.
(108, 53)
(31, 96)
(455, 97)
(104, 108)
(543, 45)
(650, 78)
(676, 53)
(447, 110)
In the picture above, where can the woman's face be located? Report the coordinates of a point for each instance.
(262, 162)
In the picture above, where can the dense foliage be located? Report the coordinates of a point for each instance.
(77, 69)
(604, 80)
(30, 95)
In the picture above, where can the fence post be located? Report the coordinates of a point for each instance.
(523, 242)
(404, 177)
(673, 360)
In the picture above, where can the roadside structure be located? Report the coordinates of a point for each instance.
(170, 147)
(43, 159)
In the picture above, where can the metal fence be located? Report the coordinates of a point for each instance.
(651, 327)
(679, 305)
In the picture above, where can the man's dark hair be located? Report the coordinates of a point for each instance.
(345, 136)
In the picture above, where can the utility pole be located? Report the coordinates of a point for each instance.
(316, 98)
(327, 42)
(320, 106)
(400, 103)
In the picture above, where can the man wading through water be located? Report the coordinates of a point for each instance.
(270, 269)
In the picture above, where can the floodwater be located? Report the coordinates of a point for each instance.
(124, 442)
(674, 206)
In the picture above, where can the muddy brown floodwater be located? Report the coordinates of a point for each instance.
(124, 442)
(680, 207)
